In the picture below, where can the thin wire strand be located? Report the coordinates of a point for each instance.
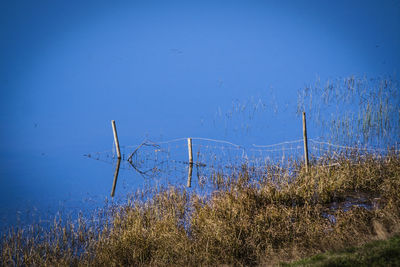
(278, 144)
(347, 147)
(217, 141)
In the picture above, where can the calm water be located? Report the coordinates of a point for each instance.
(162, 71)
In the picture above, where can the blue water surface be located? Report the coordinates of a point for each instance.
(225, 70)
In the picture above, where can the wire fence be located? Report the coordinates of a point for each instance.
(211, 156)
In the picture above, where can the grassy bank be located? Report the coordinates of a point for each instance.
(248, 220)
(376, 253)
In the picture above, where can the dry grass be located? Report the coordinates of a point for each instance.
(246, 221)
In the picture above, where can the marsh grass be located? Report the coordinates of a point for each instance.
(354, 109)
(247, 219)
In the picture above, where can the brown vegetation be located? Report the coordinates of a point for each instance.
(246, 221)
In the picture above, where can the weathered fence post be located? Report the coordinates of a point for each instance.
(189, 182)
(190, 150)
(305, 141)
(116, 139)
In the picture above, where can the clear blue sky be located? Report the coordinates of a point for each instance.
(165, 68)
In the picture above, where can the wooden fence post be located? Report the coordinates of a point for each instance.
(116, 138)
(305, 141)
(189, 182)
(190, 150)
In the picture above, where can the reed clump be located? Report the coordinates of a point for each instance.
(351, 110)
(245, 220)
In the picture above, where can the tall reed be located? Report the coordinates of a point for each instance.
(354, 110)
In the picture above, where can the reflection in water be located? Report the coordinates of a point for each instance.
(168, 160)
(115, 177)
(189, 182)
